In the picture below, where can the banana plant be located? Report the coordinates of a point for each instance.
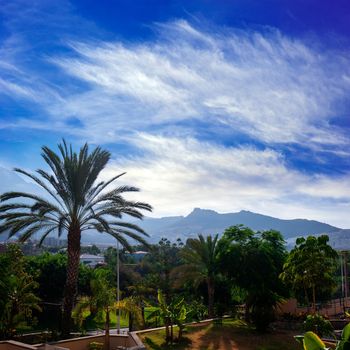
(163, 312)
(178, 314)
(344, 343)
(173, 313)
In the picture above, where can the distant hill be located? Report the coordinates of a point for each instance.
(210, 222)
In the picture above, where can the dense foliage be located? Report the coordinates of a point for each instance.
(17, 293)
(244, 267)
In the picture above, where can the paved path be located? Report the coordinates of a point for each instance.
(111, 331)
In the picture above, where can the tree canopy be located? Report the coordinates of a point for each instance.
(309, 268)
(253, 261)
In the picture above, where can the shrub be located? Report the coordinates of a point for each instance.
(319, 325)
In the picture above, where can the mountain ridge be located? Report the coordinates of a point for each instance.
(210, 221)
(207, 221)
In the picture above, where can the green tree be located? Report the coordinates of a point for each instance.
(201, 265)
(254, 261)
(158, 265)
(94, 250)
(310, 268)
(78, 203)
(17, 292)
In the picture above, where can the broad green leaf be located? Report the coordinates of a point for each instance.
(161, 300)
(345, 335)
(343, 345)
(313, 342)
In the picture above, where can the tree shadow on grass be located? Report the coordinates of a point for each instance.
(230, 337)
(217, 337)
(183, 344)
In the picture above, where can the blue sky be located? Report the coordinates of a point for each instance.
(225, 105)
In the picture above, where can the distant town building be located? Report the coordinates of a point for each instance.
(92, 260)
(54, 242)
(138, 255)
(30, 248)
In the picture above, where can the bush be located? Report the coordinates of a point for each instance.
(196, 311)
(319, 325)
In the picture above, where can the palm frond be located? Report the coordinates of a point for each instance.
(76, 198)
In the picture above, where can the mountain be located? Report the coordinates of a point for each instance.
(210, 222)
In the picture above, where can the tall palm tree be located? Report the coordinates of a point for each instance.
(78, 202)
(201, 264)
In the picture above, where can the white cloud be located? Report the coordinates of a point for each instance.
(272, 87)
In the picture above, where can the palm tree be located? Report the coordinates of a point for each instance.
(201, 264)
(78, 203)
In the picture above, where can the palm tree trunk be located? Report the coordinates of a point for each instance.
(143, 316)
(107, 329)
(180, 332)
(314, 298)
(70, 289)
(131, 322)
(211, 290)
(167, 331)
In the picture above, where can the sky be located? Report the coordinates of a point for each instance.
(224, 105)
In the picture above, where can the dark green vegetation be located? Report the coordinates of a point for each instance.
(319, 325)
(17, 297)
(77, 203)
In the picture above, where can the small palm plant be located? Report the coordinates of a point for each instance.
(102, 302)
(78, 202)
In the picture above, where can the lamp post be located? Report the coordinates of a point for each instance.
(118, 296)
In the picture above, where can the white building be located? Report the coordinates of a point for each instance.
(92, 260)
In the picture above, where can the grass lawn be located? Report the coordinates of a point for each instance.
(231, 335)
(124, 320)
(93, 324)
